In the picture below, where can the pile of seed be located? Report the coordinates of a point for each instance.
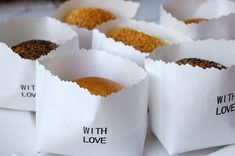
(89, 17)
(140, 41)
(99, 86)
(200, 63)
(34, 49)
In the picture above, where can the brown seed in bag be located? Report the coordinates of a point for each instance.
(89, 17)
(140, 41)
(99, 86)
(34, 49)
(200, 63)
(194, 20)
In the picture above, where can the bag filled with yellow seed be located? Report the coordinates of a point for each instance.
(85, 15)
(134, 39)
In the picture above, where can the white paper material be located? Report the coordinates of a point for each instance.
(12, 68)
(17, 131)
(218, 25)
(188, 108)
(18, 83)
(226, 151)
(64, 110)
(154, 148)
(128, 10)
(100, 41)
(85, 37)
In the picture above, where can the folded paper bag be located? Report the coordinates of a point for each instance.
(8, 85)
(18, 83)
(217, 14)
(192, 108)
(72, 121)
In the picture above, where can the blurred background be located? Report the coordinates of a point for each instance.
(10, 8)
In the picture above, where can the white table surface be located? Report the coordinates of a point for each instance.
(17, 129)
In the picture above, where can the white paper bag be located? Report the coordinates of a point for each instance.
(17, 131)
(17, 85)
(65, 112)
(100, 41)
(218, 25)
(154, 148)
(120, 8)
(192, 108)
